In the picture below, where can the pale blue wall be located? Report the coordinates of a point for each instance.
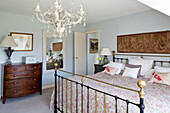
(19, 23)
(142, 22)
(147, 21)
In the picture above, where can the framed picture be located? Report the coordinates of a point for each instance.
(93, 45)
(58, 46)
(23, 40)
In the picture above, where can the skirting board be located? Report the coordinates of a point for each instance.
(48, 86)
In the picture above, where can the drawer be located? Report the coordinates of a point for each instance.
(22, 91)
(23, 74)
(22, 82)
(34, 67)
(13, 69)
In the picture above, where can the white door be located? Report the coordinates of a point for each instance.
(79, 53)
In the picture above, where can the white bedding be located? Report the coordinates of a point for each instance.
(157, 98)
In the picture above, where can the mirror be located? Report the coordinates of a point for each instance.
(53, 51)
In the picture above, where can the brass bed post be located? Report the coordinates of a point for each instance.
(141, 84)
(126, 61)
(154, 63)
(104, 103)
(55, 94)
(82, 80)
(113, 56)
(66, 95)
(95, 101)
(71, 92)
(161, 63)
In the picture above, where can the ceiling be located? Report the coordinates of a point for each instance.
(97, 10)
(159, 5)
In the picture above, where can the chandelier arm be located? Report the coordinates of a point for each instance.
(42, 19)
(76, 22)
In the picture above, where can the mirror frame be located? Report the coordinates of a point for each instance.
(49, 34)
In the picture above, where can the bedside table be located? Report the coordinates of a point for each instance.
(98, 68)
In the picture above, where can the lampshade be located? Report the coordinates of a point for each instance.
(8, 41)
(105, 51)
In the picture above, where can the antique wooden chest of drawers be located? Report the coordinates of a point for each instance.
(21, 80)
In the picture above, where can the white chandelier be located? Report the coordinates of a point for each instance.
(59, 18)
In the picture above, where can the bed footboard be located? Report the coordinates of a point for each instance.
(58, 96)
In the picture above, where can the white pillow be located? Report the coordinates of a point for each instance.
(146, 64)
(162, 69)
(131, 72)
(117, 65)
(149, 73)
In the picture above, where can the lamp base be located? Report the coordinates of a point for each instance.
(105, 60)
(9, 52)
(8, 62)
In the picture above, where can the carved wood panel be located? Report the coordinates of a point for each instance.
(155, 42)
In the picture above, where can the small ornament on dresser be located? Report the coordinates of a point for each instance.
(29, 59)
(100, 60)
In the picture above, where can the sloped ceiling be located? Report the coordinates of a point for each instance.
(159, 5)
(97, 10)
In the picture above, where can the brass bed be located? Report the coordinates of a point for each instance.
(58, 95)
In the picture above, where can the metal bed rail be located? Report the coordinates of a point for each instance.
(58, 96)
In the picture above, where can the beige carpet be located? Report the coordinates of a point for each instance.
(34, 103)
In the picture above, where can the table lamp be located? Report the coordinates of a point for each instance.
(105, 52)
(9, 42)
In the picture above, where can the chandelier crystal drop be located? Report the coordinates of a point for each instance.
(58, 18)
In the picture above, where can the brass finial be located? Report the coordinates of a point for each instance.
(55, 64)
(113, 53)
(141, 84)
(82, 80)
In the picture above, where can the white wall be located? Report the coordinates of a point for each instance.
(92, 57)
(148, 21)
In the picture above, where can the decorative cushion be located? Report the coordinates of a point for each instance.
(146, 64)
(130, 72)
(135, 66)
(162, 69)
(149, 73)
(117, 65)
(110, 70)
(163, 78)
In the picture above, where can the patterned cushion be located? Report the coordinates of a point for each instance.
(163, 78)
(117, 65)
(110, 70)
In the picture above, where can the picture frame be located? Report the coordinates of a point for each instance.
(58, 46)
(93, 45)
(23, 40)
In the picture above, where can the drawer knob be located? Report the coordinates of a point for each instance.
(35, 72)
(15, 75)
(35, 67)
(35, 87)
(15, 69)
(14, 91)
(35, 79)
(15, 83)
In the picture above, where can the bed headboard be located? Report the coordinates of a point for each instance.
(122, 59)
